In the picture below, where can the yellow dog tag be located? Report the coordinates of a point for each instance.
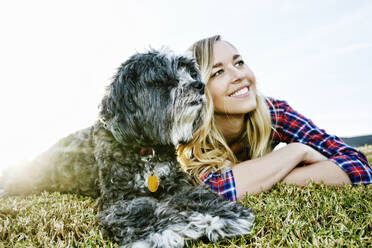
(152, 182)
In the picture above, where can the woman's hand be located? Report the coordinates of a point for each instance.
(319, 170)
(260, 174)
(310, 155)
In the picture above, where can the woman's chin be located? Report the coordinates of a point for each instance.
(243, 105)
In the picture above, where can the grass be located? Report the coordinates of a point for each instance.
(286, 216)
(50, 220)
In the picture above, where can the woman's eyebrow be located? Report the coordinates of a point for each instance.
(219, 64)
(236, 56)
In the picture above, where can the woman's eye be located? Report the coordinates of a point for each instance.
(240, 63)
(217, 73)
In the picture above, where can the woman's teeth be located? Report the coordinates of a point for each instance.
(240, 92)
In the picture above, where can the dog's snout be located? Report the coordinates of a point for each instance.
(198, 85)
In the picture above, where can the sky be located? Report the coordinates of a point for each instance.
(56, 57)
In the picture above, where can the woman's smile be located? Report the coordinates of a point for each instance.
(241, 92)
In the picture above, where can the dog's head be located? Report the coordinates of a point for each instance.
(156, 98)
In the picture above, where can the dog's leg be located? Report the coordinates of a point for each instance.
(211, 215)
(144, 222)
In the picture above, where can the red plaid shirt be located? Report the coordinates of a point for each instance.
(294, 127)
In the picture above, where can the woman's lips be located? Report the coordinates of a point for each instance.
(243, 92)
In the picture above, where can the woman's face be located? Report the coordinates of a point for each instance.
(232, 84)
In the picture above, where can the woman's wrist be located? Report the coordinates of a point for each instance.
(326, 172)
(260, 174)
(298, 151)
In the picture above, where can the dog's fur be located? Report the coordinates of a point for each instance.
(155, 100)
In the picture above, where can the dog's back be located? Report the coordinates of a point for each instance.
(68, 166)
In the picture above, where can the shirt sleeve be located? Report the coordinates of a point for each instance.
(221, 184)
(291, 126)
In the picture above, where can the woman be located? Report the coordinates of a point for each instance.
(233, 151)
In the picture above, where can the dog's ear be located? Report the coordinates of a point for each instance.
(118, 100)
(123, 89)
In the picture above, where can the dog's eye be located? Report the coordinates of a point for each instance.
(194, 74)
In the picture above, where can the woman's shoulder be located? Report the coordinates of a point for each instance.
(281, 112)
(276, 105)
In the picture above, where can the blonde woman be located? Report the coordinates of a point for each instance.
(233, 151)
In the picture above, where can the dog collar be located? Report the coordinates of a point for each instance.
(152, 181)
(147, 151)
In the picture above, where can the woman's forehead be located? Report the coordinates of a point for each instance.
(222, 50)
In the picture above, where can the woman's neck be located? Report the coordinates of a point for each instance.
(231, 126)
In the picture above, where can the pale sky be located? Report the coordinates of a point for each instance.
(56, 57)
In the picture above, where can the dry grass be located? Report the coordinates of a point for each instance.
(286, 216)
(367, 150)
(50, 220)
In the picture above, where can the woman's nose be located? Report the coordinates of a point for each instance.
(236, 75)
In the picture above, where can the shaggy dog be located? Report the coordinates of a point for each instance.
(127, 158)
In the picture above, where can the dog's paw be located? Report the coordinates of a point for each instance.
(228, 226)
(217, 227)
(169, 238)
(138, 244)
(222, 228)
(242, 224)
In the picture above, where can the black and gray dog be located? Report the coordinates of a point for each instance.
(127, 158)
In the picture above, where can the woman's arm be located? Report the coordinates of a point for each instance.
(256, 175)
(326, 172)
(291, 126)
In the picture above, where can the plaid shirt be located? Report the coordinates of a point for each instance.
(294, 127)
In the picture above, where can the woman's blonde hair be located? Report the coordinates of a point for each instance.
(208, 151)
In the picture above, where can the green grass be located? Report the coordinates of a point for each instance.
(315, 215)
(286, 216)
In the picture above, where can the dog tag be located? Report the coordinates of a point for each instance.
(152, 182)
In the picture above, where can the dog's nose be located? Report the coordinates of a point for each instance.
(198, 85)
